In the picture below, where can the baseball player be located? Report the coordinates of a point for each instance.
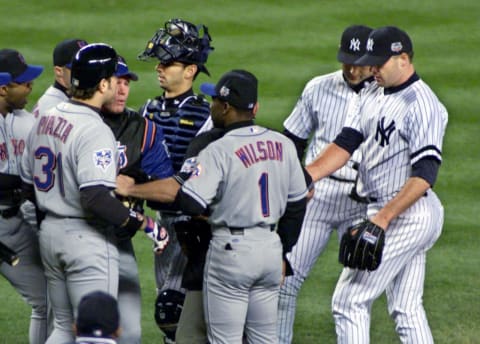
(70, 163)
(320, 113)
(141, 147)
(27, 277)
(247, 181)
(62, 63)
(182, 49)
(171, 306)
(401, 124)
(98, 319)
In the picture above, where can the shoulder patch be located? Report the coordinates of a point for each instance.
(103, 158)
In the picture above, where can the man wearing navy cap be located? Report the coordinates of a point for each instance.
(398, 124)
(315, 120)
(142, 155)
(98, 319)
(62, 63)
(16, 80)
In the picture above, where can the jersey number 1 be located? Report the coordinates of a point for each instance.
(263, 186)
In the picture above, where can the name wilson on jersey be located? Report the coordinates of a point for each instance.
(54, 126)
(260, 151)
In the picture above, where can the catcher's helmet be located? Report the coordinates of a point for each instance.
(168, 306)
(93, 63)
(180, 41)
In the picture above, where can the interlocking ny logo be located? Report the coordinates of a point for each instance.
(383, 133)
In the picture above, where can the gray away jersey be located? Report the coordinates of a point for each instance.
(399, 129)
(322, 110)
(68, 149)
(247, 177)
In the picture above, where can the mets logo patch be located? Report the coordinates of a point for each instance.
(189, 166)
(103, 158)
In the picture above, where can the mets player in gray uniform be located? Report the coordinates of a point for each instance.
(246, 182)
(401, 124)
(62, 64)
(70, 163)
(27, 277)
(320, 112)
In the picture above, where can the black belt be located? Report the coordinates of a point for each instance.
(241, 230)
(10, 212)
(341, 179)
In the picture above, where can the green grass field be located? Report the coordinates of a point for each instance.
(285, 43)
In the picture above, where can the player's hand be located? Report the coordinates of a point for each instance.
(158, 235)
(124, 183)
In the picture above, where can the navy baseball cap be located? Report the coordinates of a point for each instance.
(123, 71)
(353, 43)
(12, 62)
(384, 43)
(237, 87)
(98, 315)
(66, 50)
(5, 79)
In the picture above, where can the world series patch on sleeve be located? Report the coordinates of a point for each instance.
(361, 246)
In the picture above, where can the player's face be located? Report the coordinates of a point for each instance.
(217, 111)
(171, 76)
(16, 95)
(117, 105)
(390, 73)
(356, 74)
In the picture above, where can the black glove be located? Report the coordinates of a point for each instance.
(194, 236)
(361, 246)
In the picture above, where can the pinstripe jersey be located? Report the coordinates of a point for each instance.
(322, 109)
(400, 126)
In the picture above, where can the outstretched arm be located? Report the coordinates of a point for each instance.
(160, 190)
(331, 159)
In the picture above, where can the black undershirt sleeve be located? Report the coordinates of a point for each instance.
(99, 201)
(189, 205)
(349, 139)
(289, 227)
(300, 144)
(426, 168)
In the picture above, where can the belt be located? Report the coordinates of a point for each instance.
(9, 212)
(341, 179)
(241, 230)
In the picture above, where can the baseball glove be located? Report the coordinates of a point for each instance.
(361, 246)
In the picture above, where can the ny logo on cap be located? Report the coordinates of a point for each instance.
(224, 91)
(370, 44)
(354, 44)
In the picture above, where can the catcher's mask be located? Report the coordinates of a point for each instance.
(180, 41)
(168, 306)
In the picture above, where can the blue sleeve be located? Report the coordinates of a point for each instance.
(155, 158)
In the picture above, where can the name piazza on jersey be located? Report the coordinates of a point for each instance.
(260, 151)
(57, 127)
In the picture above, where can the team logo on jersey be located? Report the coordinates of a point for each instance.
(354, 44)
(122, 155)
(384, 132)
(103, 158)
(189, 166)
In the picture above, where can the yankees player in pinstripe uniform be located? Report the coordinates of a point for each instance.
(62, 64)
(401, 124)
(27, 277)
(321, 110)
(70, 164)
(182, 50)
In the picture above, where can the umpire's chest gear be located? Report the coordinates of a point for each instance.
(180, 118)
